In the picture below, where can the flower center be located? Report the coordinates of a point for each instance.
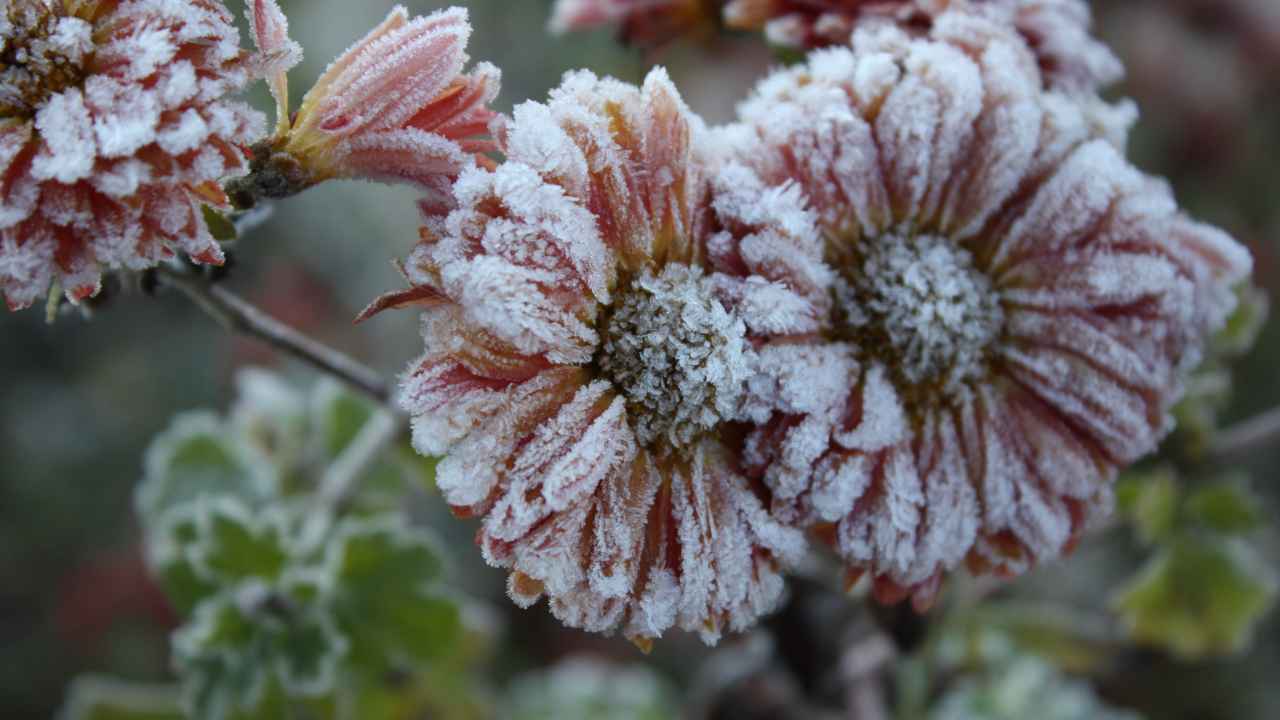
(42, 53)
(676, 354)
(921, 307)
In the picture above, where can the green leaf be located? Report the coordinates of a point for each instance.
(271, 416)
(586, 689)
(99, 698)
(198, 457)
(1227, 507)
(911, 681)
(1150, 499)
(1208, 390)
(380, 555)
(235, 544)
(310, 651)
(218, 626)
(221, 657)
(1074, 641)
(383, 573)
(338, 416)
(1024, 687)
(420, 470)
(245, 649)
(220, 226)
(428, 693)
(1200, 596)
(170, 557)
(1245, 324)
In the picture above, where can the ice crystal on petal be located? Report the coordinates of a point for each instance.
(590, 319)
(114, 132)
(1015, 306)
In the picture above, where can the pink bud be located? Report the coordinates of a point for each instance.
(396, 106)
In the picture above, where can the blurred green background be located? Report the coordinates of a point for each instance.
(82, 398)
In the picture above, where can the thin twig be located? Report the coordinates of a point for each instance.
(239, 316)
(340, 481)
(1256, 433)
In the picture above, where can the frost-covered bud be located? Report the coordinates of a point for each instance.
(395, 107)
(114, 131)
(644, 23)
(590, 318)
(1015, 308)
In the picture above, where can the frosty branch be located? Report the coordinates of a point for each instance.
(1255, 433)
(239, 316)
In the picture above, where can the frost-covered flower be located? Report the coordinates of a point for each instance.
(1015, 306)
(1057, 30)
(395, 107)
(113, 133)
(644, 23)
(589, 321)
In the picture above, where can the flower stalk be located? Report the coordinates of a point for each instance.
(238, 316)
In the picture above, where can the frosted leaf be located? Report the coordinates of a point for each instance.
(585, 688)
(1024, 686)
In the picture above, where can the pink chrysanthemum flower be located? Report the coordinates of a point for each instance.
(1058, 30)
(395, 107)
(1015, 306)
(644, 23)
(113, 132)
(587, 356)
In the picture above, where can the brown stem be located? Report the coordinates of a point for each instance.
(238, 316)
